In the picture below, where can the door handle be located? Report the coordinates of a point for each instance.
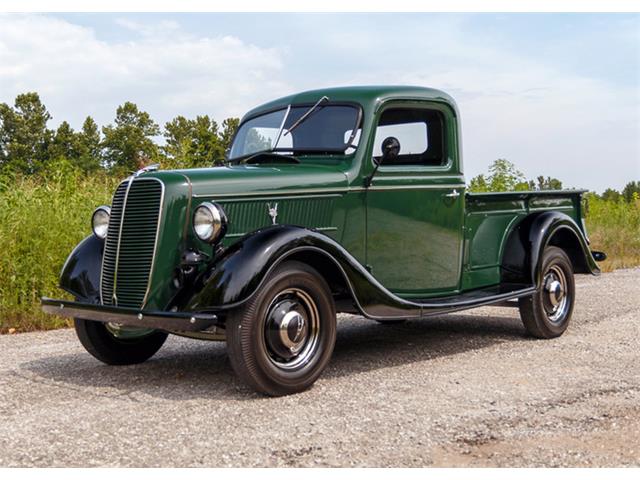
(453, 194)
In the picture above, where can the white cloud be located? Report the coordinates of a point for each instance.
(547, 118)
(164, 70)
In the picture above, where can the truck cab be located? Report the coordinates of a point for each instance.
(337, 200)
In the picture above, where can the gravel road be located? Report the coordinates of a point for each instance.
(467, 389)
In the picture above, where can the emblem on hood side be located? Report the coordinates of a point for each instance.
(273, 212)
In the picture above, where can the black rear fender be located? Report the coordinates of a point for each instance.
(527, 241)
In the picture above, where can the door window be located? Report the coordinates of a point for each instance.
(420, 133)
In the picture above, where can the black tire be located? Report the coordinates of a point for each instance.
(103, 345)
(257, 332)
(546, 314)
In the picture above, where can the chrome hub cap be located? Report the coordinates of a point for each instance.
(292, 329)
(554, 298)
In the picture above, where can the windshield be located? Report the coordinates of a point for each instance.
(328, 129)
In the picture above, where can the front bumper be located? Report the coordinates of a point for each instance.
(171, 321)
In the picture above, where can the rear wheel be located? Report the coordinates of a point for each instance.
(115, 345)
(546, 313)
(282, 339)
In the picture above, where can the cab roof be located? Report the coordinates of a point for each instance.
(368, 96)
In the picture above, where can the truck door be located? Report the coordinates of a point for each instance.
(415, 206)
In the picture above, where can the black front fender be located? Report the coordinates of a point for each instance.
(80, 274)
(238, 273)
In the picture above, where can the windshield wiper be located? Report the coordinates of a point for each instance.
(306, 115)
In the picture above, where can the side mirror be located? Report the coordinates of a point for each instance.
(390, 152)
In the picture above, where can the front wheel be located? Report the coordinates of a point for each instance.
(281, 340)
(547, 312)
(116, 345)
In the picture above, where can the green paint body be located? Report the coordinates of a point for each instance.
(417, 241)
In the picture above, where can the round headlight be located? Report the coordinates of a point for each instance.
(209, 222)
(100, 221)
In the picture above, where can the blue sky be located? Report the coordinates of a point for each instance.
(558, 94)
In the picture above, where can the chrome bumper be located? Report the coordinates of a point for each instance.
(173, 321)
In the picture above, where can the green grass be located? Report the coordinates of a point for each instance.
(614, 228)
(43, 218)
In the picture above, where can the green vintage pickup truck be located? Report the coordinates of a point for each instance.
(337, 200)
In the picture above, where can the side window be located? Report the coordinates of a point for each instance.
(419, 131)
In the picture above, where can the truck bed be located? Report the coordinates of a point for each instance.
(490, 218)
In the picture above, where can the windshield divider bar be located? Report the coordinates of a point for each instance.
(284, 119)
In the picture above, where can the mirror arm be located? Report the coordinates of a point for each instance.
(369, 178)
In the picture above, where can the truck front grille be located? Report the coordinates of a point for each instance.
(131, 241)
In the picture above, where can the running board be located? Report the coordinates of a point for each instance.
(502, 295)
(393, 307)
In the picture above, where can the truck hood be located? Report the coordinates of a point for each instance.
(241, 180)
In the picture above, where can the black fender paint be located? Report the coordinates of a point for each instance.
(527, 241)
(238, 273)
(80, 274)
(543, 230)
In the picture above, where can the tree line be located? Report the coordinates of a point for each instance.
(28, 145)
(503, 176)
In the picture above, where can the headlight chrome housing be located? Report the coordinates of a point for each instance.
(100, 221)
(209, 222)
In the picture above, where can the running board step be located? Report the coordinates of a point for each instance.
(498, 294)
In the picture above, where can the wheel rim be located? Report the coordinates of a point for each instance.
(555, 297)
(292, 329)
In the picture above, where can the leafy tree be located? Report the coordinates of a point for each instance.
(177, 134)
(198, 142)
(64, 143)
(479, 184)
(193, 143)
(229, 127)
(24, 136)
(629, 189)
(89, 153)
(503, 177)
(207, 143)
(548, 183)
(81, 149)
(129, 143)
(611, 195)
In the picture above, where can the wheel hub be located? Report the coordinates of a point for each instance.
(555, 298)
(293, 329)
(287, 328)
(555, 291)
